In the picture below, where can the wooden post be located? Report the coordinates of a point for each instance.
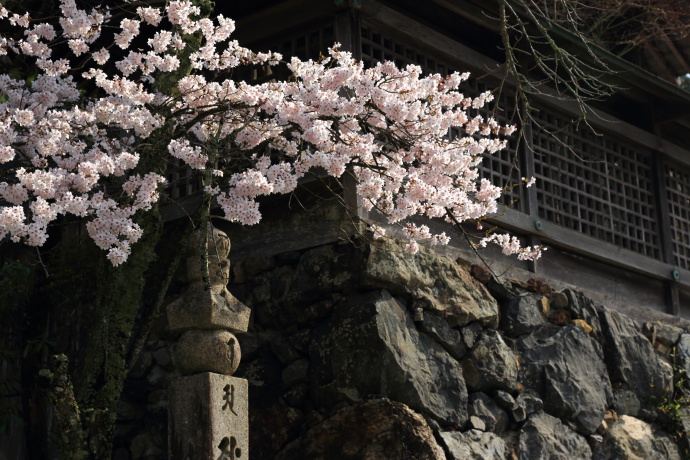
(530, 204)
(347, 33)
(665, 234)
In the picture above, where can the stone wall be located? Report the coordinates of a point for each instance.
(357, 350)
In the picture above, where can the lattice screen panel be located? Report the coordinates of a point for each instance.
(594, 184)
(182, 180)
(500, 168)
(503, 167)
(307, 42)
(377, 47)
(678, 195)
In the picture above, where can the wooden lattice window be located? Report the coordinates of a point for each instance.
(594, 184)
(678, 196)
(500, 168)
(378, 47)
(182, 180)
(307, 42)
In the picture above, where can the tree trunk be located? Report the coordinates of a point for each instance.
(104, 371)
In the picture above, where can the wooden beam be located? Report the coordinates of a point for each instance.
(665, 113)
(461, 56)
(272, 21)
(673, 300)
(531, 203)
(473, 12)
(424, 37)
(590, 247)
(663, 218)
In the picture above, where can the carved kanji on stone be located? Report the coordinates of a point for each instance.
(229, 449)
(229, 398)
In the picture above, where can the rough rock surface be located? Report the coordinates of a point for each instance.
(372, 430)
(371, 347)
(625, 402)
(474, 445)
(491, 364)
(325, 344)
(271, 428)
(664, 334)
(444, 285)
(683, 350)
(495, 419)
(438, 329)
(544, 437)
(504, 399)
(470, 333)
(526, 404)
(522, 315)
(633, 439)
(631, 359)
(566, 367)
(298, 294)
(582, 307)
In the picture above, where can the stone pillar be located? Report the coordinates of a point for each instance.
(208, 414)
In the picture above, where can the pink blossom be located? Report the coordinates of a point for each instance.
(78, 46)
(130, 29)
(101, 56)
(333, 117)
(150, 15)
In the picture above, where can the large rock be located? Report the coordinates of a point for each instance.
(633, 439)
(272, 428)
(658, 332)
(371, 430)
(631, 359)
(370, 347)
(491, 364)
(290, 295)
(522, 315)
(286, 295)
(474, 445)
(544, 437)
(444, 285)
(625, 402)
(566, 367)
(470, 333)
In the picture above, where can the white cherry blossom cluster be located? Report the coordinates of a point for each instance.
(80, 154)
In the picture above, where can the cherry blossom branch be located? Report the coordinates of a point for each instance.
(386, 125)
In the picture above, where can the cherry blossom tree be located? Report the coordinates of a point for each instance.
(386, 126)
(118, 93)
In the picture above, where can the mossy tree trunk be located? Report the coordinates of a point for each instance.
(104, 372)
(90, 414)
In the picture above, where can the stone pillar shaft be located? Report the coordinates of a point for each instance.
(208, 418)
